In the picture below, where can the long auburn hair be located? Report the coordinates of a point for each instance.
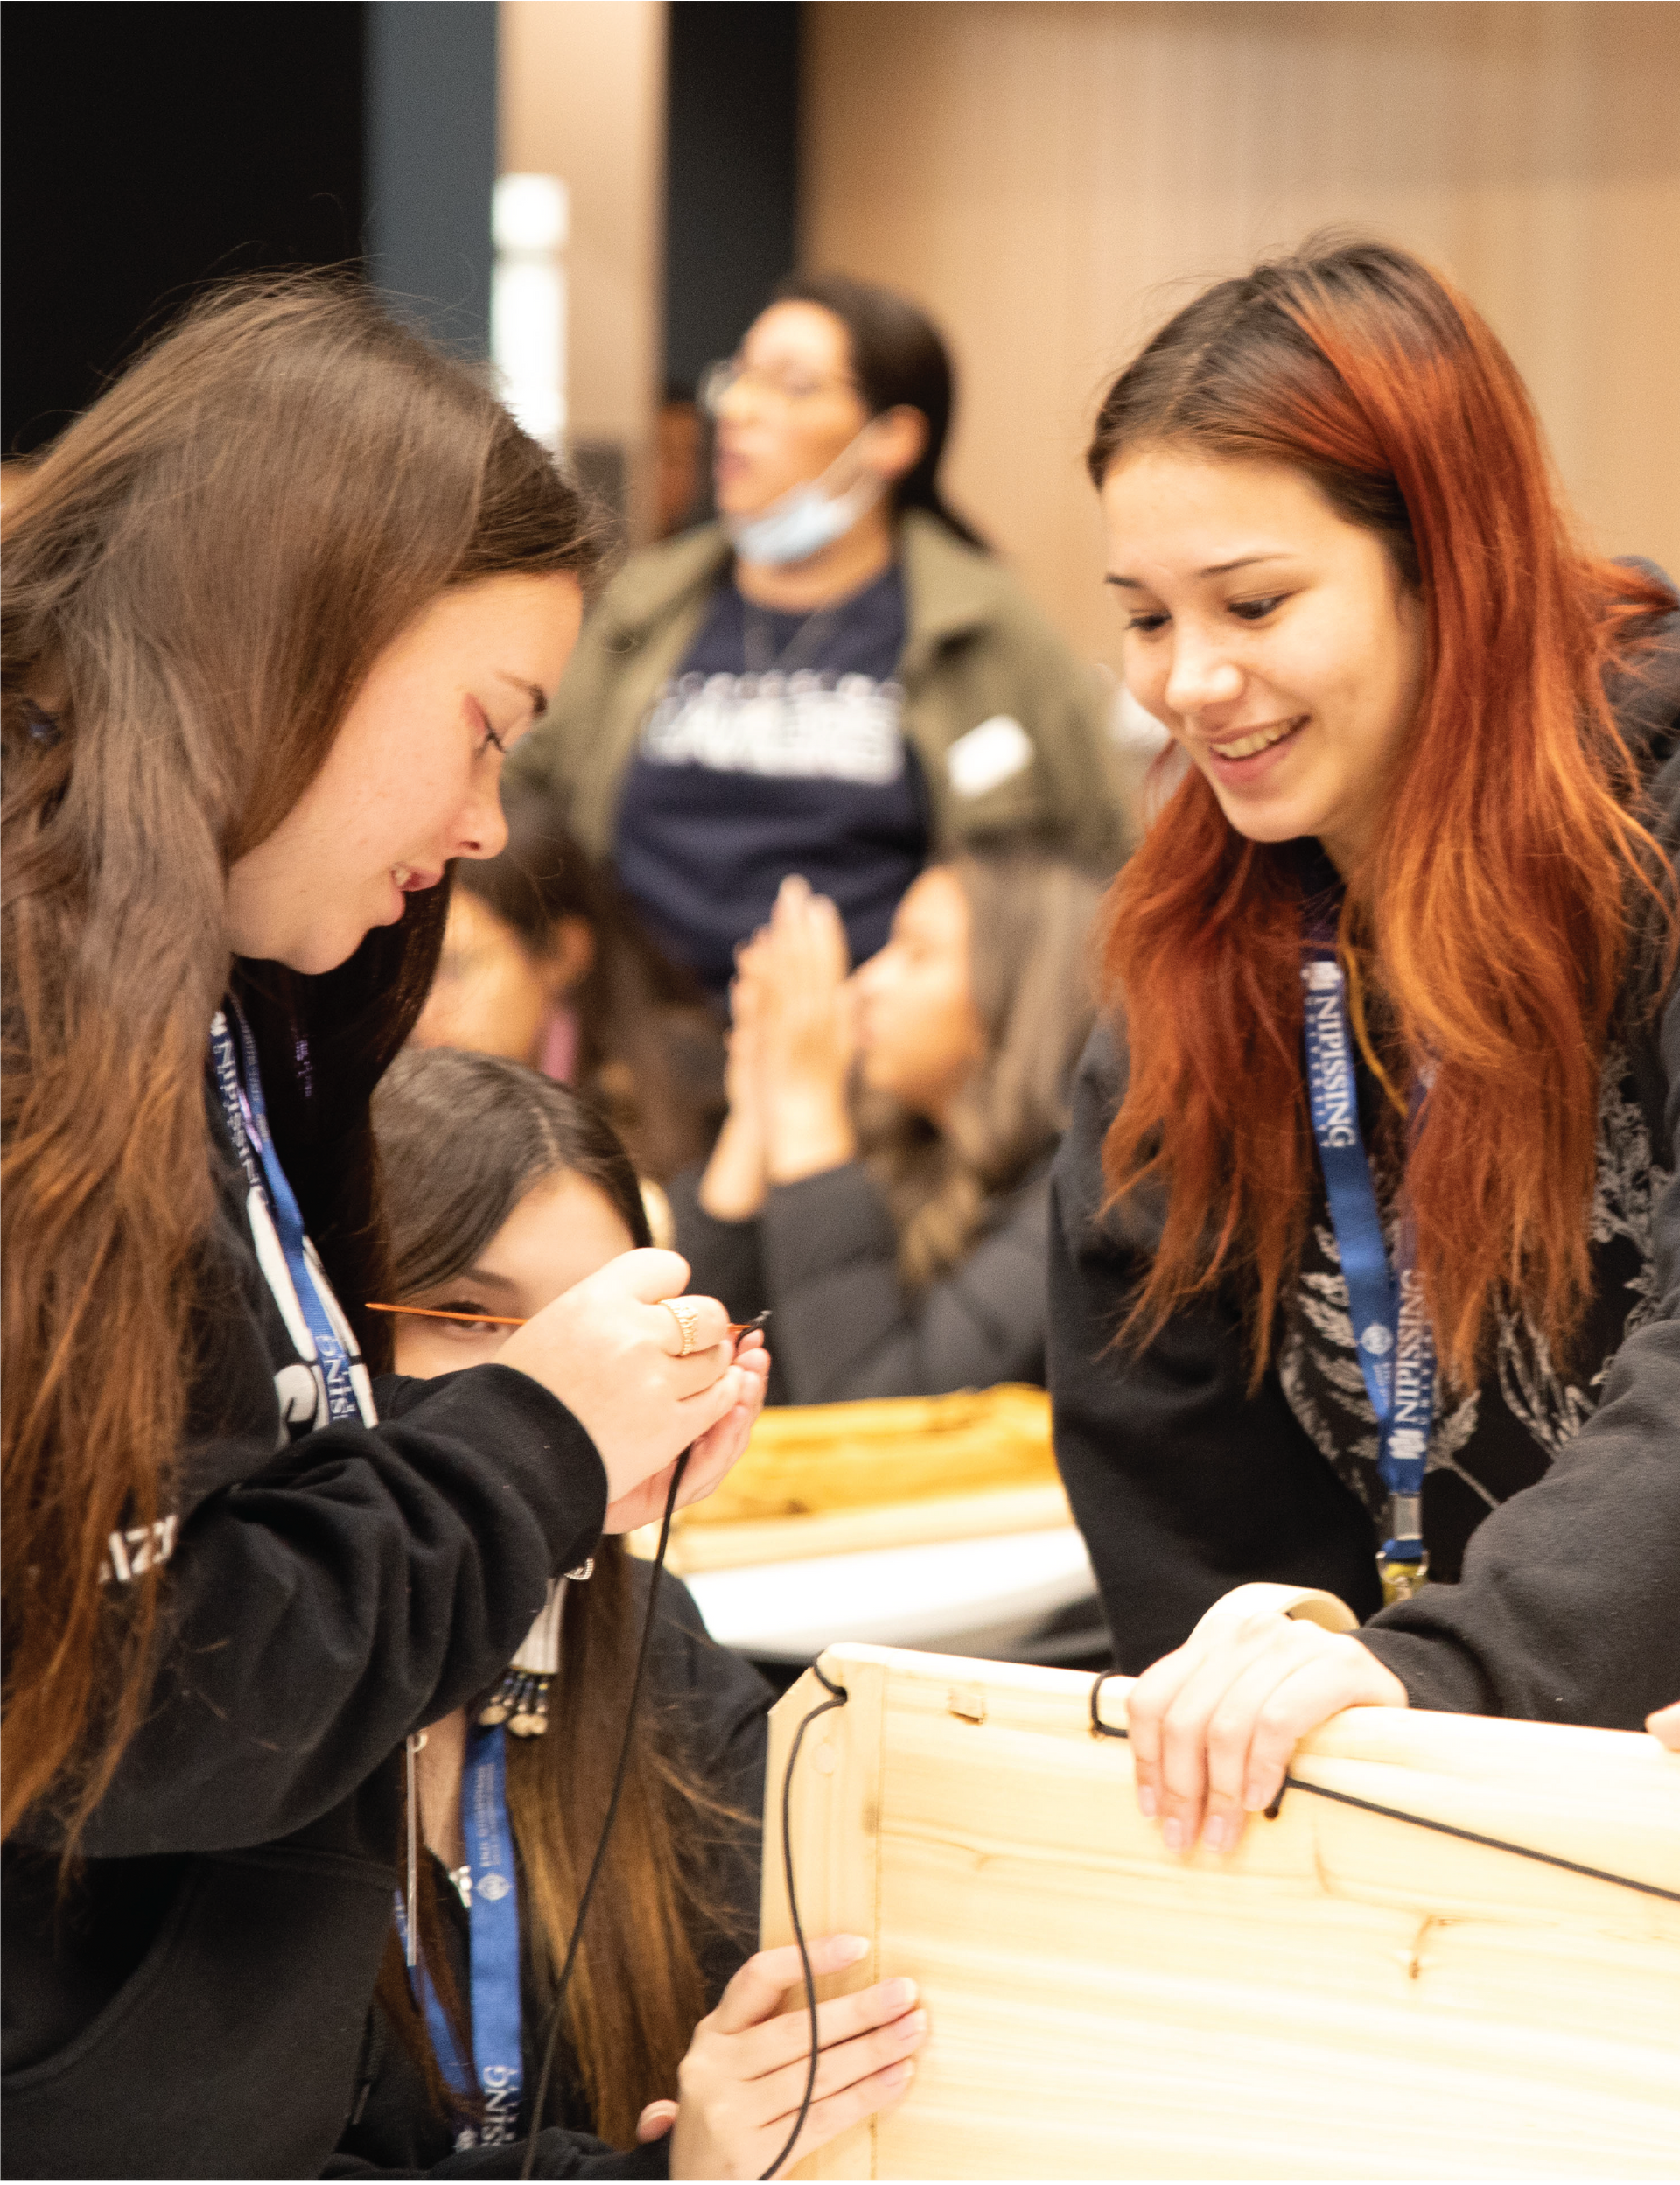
(200, 574)
(1490, 927)
(462, 1140)
(1030, 921)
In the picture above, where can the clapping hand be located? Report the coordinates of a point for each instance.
(805, 1035)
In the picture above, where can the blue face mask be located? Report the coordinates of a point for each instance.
(806, 518)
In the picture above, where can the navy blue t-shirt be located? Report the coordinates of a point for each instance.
(776, 748)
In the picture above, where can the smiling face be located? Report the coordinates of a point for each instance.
(920, 1037)
(563, 1229)
(411, 778)
(1273, 638)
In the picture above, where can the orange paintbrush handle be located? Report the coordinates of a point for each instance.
(431, 1313)
(492, 1319)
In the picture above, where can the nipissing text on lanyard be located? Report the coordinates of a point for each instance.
(497, 2068)
(496, 2073)
(241, 1087)
(1392, 1330)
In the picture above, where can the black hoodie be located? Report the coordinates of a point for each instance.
(1553, 1502)
(196, 2004)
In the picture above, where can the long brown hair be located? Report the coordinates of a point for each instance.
(200, 574)
(1489, 929)
(1029, 919)
(462, 1140)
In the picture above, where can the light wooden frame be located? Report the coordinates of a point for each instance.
(1346, 1996)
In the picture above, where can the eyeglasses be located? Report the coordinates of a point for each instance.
(784, 385)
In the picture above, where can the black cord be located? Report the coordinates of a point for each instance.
(527, 2168)
(1099, 1728)
(826, 1706)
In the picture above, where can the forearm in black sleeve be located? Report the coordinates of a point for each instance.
(363, 1582)
(1184, 1484)
(845, 1328)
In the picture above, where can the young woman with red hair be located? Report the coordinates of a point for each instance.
(1365, 1243)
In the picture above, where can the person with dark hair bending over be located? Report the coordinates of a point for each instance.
(1366, 1246)
(896, 1227)
(276, 607)
(836, 679)
(544, 961)
(503, 1189)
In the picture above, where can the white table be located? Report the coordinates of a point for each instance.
(980, 1597)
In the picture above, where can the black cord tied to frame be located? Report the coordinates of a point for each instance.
(838, 1697)
(1099, 1728)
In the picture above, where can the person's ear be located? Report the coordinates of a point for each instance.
(569, 958)
(897, 442)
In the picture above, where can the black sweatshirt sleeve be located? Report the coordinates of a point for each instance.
(1184, 1484)
(844, 1327)
(1568, 1609)
(326, 1603)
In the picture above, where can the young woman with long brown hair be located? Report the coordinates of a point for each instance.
(502, 1190)
(274, 608)
(1365, 1244)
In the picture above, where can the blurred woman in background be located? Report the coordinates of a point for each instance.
(545, 963)
(836, 679)
(900, 1236)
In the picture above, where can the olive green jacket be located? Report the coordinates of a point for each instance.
(977, 655)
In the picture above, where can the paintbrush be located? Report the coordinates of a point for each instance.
(496, 1320)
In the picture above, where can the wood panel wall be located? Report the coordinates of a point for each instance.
(582, 95)
(1054, 179)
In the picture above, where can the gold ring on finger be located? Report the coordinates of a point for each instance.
(683, 1313)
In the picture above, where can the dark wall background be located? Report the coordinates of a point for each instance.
(430, 138)
(731, 184)
(152, 146)
(149, 147)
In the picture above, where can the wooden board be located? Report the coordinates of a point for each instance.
(1347, 1996)
(1005, 1509)
(833, 1479)
(808, 1457)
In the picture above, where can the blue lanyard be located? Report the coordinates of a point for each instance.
(498, 2067)
(1392, 1330)
(241, 1087)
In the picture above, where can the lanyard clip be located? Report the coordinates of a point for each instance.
(1403, 1568)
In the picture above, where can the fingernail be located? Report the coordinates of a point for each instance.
(1147, 1801)
(1172, 1835)
(851, 1948)
(914, 2026)
(1254, 1798)
(901, 1995)
(897, 2074)
(1216, 1833)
